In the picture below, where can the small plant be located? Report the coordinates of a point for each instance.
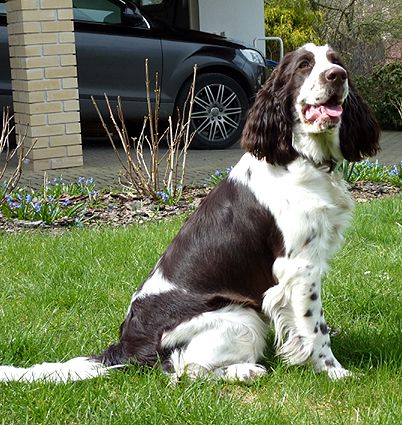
(7, 128)
(371, 171)
(166, 198)
(56, 200)
(346, 169)
(58, 188)
(151, 179)
(215, 178)
(374, 171)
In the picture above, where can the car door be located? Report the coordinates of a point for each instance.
(111, 53)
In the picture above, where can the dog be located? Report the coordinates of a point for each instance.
(256, 248)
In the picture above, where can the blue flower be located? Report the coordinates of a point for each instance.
(90, 181)
(164, 196)
(81, 180)
(28, 198)
(394, 171)
(37, 207)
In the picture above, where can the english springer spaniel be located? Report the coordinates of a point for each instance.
(257, 246)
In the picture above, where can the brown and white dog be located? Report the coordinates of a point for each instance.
(256, 248)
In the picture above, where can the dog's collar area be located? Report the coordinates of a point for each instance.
(327, 165)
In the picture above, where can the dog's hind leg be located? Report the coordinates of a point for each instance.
(225, 344)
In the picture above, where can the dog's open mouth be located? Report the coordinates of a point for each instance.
(329, 111)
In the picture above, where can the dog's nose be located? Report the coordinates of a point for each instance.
(335, 74)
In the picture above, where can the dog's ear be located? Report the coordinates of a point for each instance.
(267, 133)
(359, 132)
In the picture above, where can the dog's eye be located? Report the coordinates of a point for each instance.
(304, 64)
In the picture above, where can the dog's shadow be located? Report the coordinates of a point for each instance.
(368, 348)
(364, 349)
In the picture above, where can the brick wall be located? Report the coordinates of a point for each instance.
(44, 81)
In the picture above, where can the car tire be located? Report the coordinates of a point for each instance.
(219, 111)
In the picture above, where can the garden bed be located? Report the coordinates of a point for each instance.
(124, 208)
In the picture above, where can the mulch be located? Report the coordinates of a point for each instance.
(122, 209)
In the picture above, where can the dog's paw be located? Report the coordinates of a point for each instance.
(337, 373)
(241, 372)
(191, 371)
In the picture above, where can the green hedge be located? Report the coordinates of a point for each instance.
(383, 90)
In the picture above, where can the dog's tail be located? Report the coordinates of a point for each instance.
(76, 369)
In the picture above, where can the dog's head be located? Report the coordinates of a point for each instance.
(310, 92)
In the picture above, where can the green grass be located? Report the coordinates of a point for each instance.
(64, 295)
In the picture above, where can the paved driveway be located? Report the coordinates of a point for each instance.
(101, 163)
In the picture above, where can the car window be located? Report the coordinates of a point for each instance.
(102, 11)
(2, 8)
(149, 2)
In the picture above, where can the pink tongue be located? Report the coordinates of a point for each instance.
(314, 112)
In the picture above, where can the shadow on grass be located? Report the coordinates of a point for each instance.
(369, 348)
(364, 349)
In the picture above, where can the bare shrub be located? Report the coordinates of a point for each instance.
(162, 175)
(8, 153)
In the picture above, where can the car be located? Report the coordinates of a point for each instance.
(113, 39)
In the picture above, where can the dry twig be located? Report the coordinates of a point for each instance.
(19, 151)
(145, 176)
(398, 106)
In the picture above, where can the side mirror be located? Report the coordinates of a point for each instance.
(133, 17)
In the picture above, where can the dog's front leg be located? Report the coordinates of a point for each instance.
(295, 308)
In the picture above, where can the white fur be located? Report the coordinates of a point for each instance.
(76, 369)
(156, 284)
(216, 340)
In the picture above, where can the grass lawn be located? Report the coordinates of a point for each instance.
(65, 295)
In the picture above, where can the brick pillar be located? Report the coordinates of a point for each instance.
(44, 80)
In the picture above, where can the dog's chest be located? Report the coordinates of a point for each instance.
(312, 216)
(310, 207)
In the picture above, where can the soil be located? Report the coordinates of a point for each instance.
(121, 209)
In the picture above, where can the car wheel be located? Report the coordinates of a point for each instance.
(219, 110)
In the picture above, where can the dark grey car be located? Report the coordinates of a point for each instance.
(113, 38)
